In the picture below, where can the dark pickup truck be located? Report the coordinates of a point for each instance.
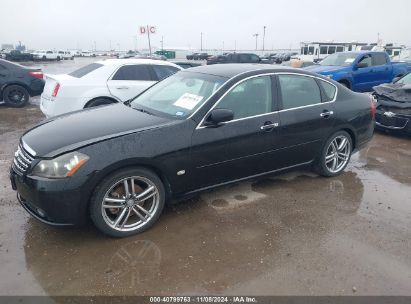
(234, 58)
(16, 55)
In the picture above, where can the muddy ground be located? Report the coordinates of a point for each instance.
(295, 234)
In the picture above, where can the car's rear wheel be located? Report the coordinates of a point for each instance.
(16, 96)
(335, 154)
(128, 202)
(99, 102)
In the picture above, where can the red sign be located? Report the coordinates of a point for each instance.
(144, 29)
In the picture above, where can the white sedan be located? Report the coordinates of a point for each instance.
(102, 82)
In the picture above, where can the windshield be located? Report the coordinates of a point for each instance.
(406, 79)
(339, 59)
(178, 95)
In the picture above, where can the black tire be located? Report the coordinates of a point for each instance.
(44, 57)
(16, 96)
(321, 166)
(58, 58)
(99, 217)
(99, 102)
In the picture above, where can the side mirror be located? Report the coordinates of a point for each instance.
(218, 116)
(361, 65)
(396, 79)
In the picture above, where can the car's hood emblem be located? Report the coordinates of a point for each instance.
(389, 114)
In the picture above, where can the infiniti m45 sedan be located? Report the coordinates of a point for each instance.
(197, 129)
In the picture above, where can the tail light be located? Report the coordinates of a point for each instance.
(56, 90)
(36, 74)
(373, 107)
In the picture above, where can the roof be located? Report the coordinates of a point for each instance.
(229, 70)
(133, 60)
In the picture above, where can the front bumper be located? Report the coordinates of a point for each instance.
(50, 201)
(389, 120)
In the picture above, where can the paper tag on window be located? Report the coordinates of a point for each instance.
(188, 101)
(349, 60)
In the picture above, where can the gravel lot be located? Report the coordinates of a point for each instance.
(295, 234)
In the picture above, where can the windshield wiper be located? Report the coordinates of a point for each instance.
(144, 111)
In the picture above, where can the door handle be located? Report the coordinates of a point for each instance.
(122, 88)
(269, 126)
(326, 114)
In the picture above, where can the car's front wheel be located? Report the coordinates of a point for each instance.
(128, 202)
(335, 154)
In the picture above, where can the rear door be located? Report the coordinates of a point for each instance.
(382, 68)
(129, 80)
(306, 116)
(241, 147)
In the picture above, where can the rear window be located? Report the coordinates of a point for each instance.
(329, 90)
(85, 70)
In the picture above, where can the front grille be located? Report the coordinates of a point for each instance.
(395, 122)
(22, 161)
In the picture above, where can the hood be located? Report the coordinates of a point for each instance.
(71, 131)
(324, 69)
(395, 91)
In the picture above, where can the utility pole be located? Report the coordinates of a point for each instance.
(201, 41)
(95, 46)
(256, 39)
(235, 45)
(109, 42)
(263, 36)
(148, 36)
(223, 46)
(162, 43)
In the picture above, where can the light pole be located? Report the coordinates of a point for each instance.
(162, 45)
(201, 41)
(235, 45)
(223, 46)
(256, 38)
(263, 36)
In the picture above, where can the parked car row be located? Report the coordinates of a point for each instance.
(198, 56)
(203, 127)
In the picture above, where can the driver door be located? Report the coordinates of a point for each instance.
(243, 146)
(364, 78)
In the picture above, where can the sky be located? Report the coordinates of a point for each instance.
(228, 25)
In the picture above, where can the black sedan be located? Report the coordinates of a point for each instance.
(393, 105)
(18, 83)
(198, 129)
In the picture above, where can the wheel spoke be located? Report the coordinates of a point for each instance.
(142, 209)
(126, 190)
(114, 200)
(139, 215)
(133, 190)
(343, 143)
(329, 158)
(146, 194)
(126, 219)
(120, 217)
(113, 206)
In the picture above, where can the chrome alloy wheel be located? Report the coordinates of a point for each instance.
(338, 153)
(130, 203)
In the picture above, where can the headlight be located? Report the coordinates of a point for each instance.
(60, 167)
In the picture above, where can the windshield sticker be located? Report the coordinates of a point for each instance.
(349, 60)
(188, 101)
(179, 113)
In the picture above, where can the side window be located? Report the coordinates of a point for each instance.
(323, 49)
(133, 72)
(379, 59)
(328, 89)
(311, 50)
(244, 58)
(163, 71)
(298, 91)
(366, 59)
(254, 58)
(49, 52)
(331, 49)
(340, 49)
(249, 98)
